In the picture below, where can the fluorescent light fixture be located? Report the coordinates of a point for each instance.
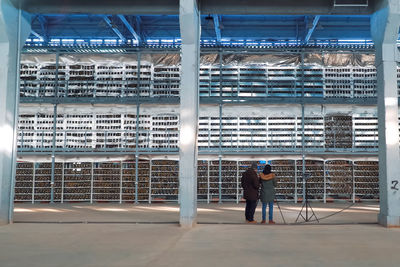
(350, 3)
(96, 41)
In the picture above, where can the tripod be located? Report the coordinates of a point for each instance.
(279, 207)
(306, 204)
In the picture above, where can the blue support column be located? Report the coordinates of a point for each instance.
(189, 19)
(14, 29)
(385, 31)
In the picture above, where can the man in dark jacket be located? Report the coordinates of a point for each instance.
(250, 184)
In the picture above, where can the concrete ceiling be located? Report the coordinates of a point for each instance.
(171, 7)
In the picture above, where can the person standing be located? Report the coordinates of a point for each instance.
(251, 184)
(267, 196)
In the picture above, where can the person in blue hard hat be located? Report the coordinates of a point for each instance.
(267, 193)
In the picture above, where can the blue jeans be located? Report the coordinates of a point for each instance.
(270, 211)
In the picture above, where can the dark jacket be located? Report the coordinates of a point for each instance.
(267, 193)
(250, 184)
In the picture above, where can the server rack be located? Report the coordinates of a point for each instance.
(58, 82)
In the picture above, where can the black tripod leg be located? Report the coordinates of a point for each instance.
(279, 207)
(301, 213)
(313, 213)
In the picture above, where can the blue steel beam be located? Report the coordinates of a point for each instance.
(311, 30)
(37, 35)
(114, 28)
(130, 28)
(43, 24)
(269, 28)
(217, 28)
(138, 26)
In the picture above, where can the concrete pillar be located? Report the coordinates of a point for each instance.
(14, 29)
(189, 19)
(385, 30)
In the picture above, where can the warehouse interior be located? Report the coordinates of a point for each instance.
(131, 118)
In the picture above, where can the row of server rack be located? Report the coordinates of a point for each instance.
(158, 75)
(149, 131)
(89, 103)
(217, 180)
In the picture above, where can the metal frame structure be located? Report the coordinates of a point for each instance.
(140, 147)
(380, 22)
(107, 183)
(39, 91)
(136, 30)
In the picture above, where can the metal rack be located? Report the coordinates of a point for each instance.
(78, 181)
(339, 179)
(142, 76)
(203, 183)
(217, 180)
(128, 182)
(286, 188)
(366, 180)
(107, 179)
(316, 182)
(164, 180)
(25, 181)
(142, 80)
(275, 82)
(42, 182)
(117, 132)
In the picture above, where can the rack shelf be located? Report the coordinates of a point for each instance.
(107, 178)
(158, 180)
(214, 180)
(315, 170)
(285, 175)
(104, 77)
(77, 181)
(366, 179)
(164, 180)
(24, 182)
(144, 180)
(229, 180)
(339, 179)
(202, 180)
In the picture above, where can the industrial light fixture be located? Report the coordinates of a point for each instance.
(350, 3)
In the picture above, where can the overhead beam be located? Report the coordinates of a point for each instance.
(114, 28)
(130, 28)
(43, 24)
(217, 28)
(311, 29)
(171, 7)
(138, 26)
(37, 35)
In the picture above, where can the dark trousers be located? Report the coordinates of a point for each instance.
(250, 209)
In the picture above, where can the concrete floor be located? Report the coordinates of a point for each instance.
(129, 244)
(169, 213)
